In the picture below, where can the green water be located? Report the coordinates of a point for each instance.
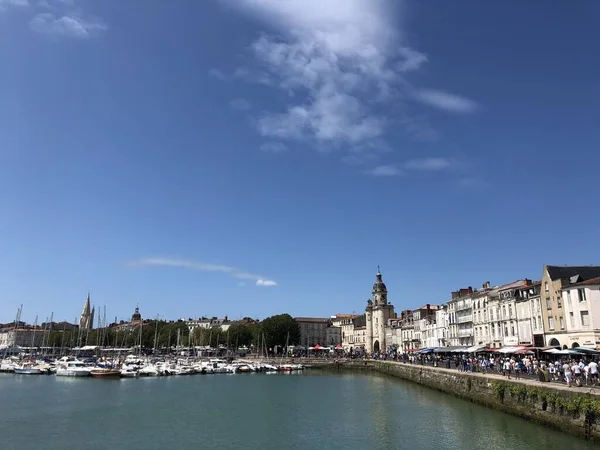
(312, 411)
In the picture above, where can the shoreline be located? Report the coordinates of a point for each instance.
(575, 410)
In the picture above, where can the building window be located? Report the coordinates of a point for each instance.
(569, 298)
(585, 318)
(572, 319)
(548, 303)
(562, 323)
(551, 323)
(534, 323)
(512, 330)
(558, 301)
(581, 293)
(546, 286)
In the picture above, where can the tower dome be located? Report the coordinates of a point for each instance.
(136, 316)
(379, 285)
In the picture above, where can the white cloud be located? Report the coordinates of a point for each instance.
(67, 26)
(343, 64)
(446, 101)
(239, 104)
(233, 272)
(385, 171)
(432, 164)
(5, 4)
(273, 147)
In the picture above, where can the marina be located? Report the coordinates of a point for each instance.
(133, 367)
(305, 409)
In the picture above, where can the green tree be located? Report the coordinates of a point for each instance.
(276, 329)
(240, 334)
(209, 336)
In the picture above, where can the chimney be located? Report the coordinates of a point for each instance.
(470, 289)
(428, 309)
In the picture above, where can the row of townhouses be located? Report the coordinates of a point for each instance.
(561, 310)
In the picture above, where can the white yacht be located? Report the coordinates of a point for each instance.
(72, 369)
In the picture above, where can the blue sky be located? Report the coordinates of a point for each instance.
(261, 156)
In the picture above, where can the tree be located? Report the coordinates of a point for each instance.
(276, 329)
(209, 336)
(240, 335)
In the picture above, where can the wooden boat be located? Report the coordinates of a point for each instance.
(104, 372)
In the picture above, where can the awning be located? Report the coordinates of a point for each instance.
(475, 348)
(505, 350)
(425, 351)
(552, 351)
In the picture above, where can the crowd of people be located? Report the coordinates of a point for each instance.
(579, 371)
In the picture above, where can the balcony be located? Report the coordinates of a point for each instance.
(464, 319)
(465, 333)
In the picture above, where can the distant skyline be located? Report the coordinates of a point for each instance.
(254, 157)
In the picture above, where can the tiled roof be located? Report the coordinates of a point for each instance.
(313, 319)
(585, 272)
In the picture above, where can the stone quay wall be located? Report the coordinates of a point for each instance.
(575, 411)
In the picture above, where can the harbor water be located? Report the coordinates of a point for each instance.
(256, 411)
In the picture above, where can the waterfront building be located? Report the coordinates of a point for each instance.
(318, 330)
(507, 312)
(407, 332)
(22, 336)
(581, 300)
(529, 315)
(440, 328)
(554, 278)
(482, 332)
(378, 313)
(348, 324)
(86, 320)
(460, 318)
(425, 326)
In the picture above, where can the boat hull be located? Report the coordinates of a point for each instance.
(72, 373)
(102, 373)
(28, 371)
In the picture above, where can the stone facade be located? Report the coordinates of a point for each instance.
(581, 301)
(317, 330)
(86, 321)
(554, 278)
(378, 313)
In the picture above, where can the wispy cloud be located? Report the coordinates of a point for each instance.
(60, 18)
(446, 101)
(273, 147)
(344, 64)
(385, 171)
(240, 104)
(4, 4)
(67, 26)
(432, 164)
(233, 272)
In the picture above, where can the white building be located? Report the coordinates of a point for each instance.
(460, 320)
(426, 327)
(21, 337)
(529, 315)
(507, 309)
(352, 328)
(481, 316)
(581, 300)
